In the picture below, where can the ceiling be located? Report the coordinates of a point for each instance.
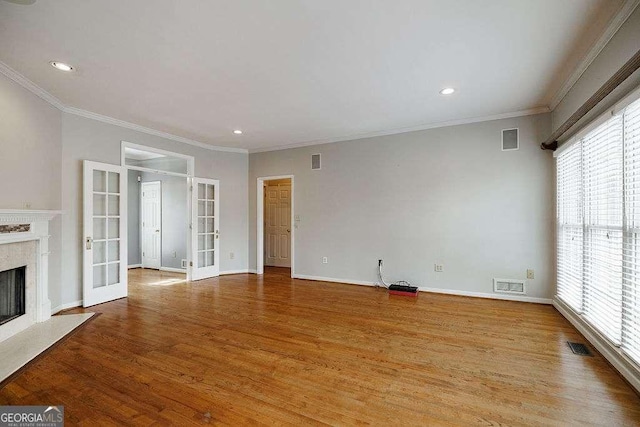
(291, 72)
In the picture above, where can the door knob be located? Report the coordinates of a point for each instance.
(288, 231)
(157, 231)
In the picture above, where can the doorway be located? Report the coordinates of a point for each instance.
(159, 232)
(275, 223)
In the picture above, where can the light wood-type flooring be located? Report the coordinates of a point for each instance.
(251, 350)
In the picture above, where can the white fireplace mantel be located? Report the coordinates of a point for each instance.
(38, 221)
(25, 216)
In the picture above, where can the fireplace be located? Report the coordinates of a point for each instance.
(12, 294)
(24, 269)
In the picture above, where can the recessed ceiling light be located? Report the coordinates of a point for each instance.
(447, 91)
(237, 132)
(61, 66)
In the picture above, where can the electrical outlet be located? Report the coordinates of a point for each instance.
(325, 260)
(438, 268)
(184, 263)
(232, 255)
(530, 274)
(27, 205)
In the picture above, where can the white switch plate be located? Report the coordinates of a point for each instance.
(530, 274)
(438, 268)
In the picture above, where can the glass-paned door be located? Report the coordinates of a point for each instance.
(105, 243)
(205, 228)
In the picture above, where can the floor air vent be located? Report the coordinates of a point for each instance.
(579, 349)
(509, 286)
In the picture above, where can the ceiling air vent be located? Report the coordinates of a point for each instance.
(509, 286)
(315, 162)
(510, 139)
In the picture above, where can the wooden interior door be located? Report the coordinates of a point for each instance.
(151, 224)
(277, 215)
(105, 233)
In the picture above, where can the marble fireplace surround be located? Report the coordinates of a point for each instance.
(27, 245)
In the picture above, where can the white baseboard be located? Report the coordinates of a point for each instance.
(436, 290)
(520, 298)
(627, 368)
(134, 266)
(226, 272)
(66, 306)
(331, 279)
(174, 270)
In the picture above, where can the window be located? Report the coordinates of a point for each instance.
(598, 219)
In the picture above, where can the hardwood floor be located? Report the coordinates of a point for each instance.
(246, 349)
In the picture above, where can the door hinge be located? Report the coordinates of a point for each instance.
(191, 188)
(142, 253)
(190, 263)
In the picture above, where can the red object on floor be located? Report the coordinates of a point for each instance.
(404, 294)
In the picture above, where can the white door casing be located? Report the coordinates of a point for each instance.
(105, 233)
(151, 224)
(278, 225)
(205, 228)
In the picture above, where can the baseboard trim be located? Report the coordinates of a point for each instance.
(332, 280)
(173, 270)
(134, 266)
(434, 290)
(66, 306)
(227, 272)
(619, 360)
(518, 298)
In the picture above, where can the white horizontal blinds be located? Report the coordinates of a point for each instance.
(570, 226)
(631, 271)
(603, 183)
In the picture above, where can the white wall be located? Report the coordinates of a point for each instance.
(133, 218)
(30, 161)
(447, 195)
(86, 139)
(624, 44)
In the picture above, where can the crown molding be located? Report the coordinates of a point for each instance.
(521, 113)
(618, 20)
(143, 129)
(30, 86)
(37, 90)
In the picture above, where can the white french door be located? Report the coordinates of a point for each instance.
(151, 224)
(205, 228)
(105, 232)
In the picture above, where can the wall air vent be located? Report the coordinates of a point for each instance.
(315, 162)
(510, 139)
(509, 286)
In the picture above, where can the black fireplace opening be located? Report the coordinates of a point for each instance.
(12, 294)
